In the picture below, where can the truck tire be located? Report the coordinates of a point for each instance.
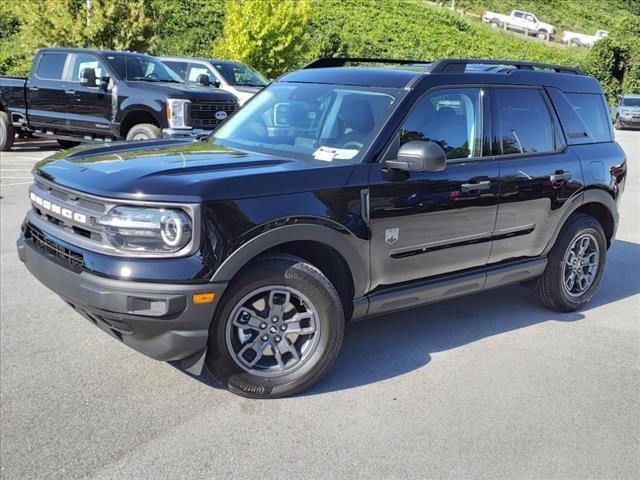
(494, 24)
(278, 329)
(143, 131)
(542, 35)
(575, 265)
(67, 144)
(617, 124)
(7, 133)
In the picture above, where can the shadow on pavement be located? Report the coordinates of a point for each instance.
(385, 347)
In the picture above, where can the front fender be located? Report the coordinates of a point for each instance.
(352, 249)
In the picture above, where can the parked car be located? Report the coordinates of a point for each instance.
(83, 95)
(521, 21)
(234, 77)
(582, 40)
(336, 194)
(625, 113)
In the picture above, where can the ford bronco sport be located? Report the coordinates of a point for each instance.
(337, 193)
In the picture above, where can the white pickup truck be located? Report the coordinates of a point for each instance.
(582, 40)
(521, 21)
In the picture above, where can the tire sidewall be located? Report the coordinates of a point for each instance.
(583, 225)
(304, 278)
(7, 133)
(151, 131)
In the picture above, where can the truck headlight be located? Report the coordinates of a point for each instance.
(625, 113)
(140, 229)
(177, 112)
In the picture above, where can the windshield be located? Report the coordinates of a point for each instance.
(142, 68)
(631, 102)
(239, 74)
(326, 123)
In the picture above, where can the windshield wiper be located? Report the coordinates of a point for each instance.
(248, 85)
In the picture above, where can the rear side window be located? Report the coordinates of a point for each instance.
(51, 65)
(591, 110)
(525, 124)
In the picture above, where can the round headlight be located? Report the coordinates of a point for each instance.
(172, 227)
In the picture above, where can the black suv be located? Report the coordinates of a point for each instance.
(336, 194)
(81, 95)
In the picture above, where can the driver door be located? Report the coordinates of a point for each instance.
(425, 224)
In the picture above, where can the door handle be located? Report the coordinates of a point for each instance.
(470, 187)
(70, 92)
(33, 89)
(559, 176)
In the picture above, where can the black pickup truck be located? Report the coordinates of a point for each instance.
(80, 95)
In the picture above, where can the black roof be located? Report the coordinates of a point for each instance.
(408, 74)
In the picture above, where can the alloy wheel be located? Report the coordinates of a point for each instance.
(581, 263)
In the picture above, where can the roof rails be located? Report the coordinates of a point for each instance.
(342, 61)
(457, 65)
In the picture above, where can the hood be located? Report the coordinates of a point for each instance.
(184, 170)
(247, 89)
(186, 91)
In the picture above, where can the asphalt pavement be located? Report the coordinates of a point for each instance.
(487, 386)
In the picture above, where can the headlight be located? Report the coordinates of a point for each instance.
(177, 112)
(140, 229)
(625, 112)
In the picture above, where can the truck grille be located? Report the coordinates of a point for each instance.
(64, 256)
(209, 115)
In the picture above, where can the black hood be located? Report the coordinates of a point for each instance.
(195, 93)
(184, 170)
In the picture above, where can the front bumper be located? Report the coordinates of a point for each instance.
(629, 122)
(198, 133)
(159, 320)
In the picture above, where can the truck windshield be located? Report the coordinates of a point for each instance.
(315, 122)
(239, 74)
(631, 102)
(142, 68)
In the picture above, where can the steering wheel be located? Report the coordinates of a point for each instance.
(154, 76)
(353, 144)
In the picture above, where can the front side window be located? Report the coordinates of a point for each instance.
(524, 120)
(86, 61)
(141, 68)
(51, 66)
(333, 124)
(240, 75)
(195, 70)
(452, 118)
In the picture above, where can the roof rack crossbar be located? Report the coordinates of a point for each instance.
(342, 61)
(457, 65)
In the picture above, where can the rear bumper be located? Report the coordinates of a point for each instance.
(159, 320)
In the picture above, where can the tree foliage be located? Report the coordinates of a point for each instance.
(270, 35)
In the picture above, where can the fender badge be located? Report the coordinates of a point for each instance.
(391, 235)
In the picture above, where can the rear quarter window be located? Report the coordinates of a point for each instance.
(592, 111)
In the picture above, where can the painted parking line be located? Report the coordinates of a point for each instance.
(13, 184)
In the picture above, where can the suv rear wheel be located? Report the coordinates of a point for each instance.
(7, 133)
(144, 131)
(278, 330)
(575, 267)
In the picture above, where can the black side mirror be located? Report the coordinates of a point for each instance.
(216, 83)
(203, 79)
(88, 77)
(419, 157)
(104, 83)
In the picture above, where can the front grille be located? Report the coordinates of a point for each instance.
(203, 115)
(61, 254)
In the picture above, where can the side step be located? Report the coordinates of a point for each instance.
(422, 292)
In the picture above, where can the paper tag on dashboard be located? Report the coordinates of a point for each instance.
(328, 154)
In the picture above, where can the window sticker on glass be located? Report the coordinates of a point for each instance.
(328, 154)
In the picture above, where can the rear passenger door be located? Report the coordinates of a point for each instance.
(539, 177)
(46, 98)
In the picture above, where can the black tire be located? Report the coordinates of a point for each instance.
(143, 131)
(542, 35)
(549, 288)
(7, 133)
(617, 124)
(67, 144)
(276, 271)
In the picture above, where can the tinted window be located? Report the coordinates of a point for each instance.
(141, 68)
(86, 61)
(452, 118)
(51, 66)
(525, 122)
(239, 74)
(591, 110)
(630, 102)
(178, 67)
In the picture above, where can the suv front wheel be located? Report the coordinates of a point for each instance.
(278, 329)
(575, 265)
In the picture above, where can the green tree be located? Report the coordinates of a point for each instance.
(105, 24)
(270, 35)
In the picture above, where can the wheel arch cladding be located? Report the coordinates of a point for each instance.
(329, 250)
(135, 117)
(604, 216)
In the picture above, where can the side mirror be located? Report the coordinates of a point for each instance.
(104, 83)
(203, 79)
(216, 83)
(88, 77)
(419, 157)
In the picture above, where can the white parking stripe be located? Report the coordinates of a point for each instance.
(13, 170)
(12, 184)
